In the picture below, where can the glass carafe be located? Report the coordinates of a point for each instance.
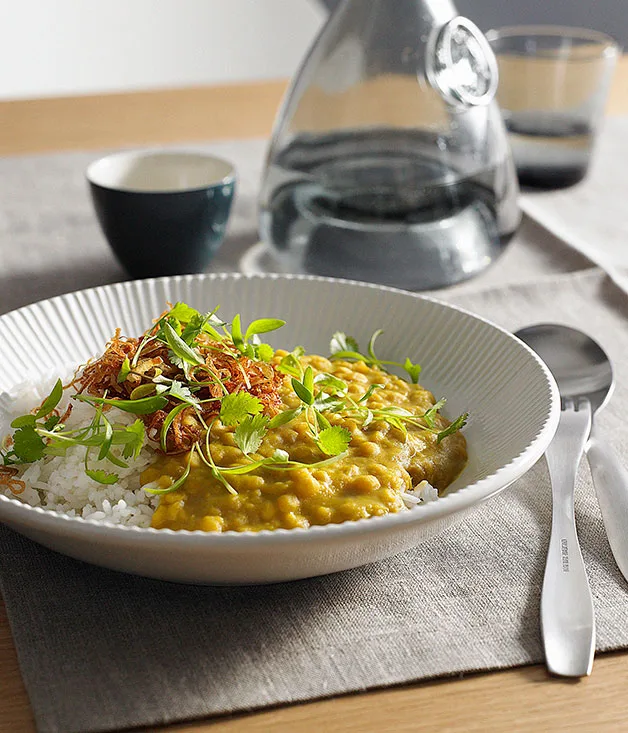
(389, 161)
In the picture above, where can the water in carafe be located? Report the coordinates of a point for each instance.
(389, 162)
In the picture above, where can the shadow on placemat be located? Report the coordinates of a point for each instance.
(20, 289)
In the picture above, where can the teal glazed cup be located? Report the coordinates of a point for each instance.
(163, 213)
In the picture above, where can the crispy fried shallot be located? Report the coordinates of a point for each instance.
(224, 370)
(7, 478)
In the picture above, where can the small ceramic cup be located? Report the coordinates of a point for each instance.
(163, 213)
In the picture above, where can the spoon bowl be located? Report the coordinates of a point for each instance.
(580, 366)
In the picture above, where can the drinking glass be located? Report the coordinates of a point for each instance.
(553, 87)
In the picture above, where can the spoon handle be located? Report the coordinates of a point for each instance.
(610, 479)
(567, 616)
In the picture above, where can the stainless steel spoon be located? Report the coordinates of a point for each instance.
(567, 614)
(582, 369)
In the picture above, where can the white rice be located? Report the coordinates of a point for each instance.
(422, 493)
(61, 484)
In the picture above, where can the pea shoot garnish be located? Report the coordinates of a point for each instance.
(346, 348)
(190, 374)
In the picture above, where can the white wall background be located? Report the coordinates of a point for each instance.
(69, 47)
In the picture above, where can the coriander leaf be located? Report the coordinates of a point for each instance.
(236, 407)
(432, 412)
(413, 370)
(24, 421)
(28, 446)
(263, 325)
(192, 329)
(183, 312)
(181, 392)
(250, 433)
(303, 393)
(249, 350)
(456, 425)
(125, 370)
(178, 346)
(265, 352)
(50, 423)
(334, 441)
(51, 401)
(284, 417)
(342, 342)
(174, 323)
(201, 323)
(137, 433)
(137, 407)
(102, 477)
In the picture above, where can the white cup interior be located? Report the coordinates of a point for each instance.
(164, 172)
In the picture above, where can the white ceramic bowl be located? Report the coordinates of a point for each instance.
(480, 368)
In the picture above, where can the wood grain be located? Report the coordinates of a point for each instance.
(15, 712)
(138, 119)
(523, 700)
(187, 115)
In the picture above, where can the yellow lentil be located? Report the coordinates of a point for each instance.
(380, 463)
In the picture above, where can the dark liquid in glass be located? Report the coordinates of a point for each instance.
(549, 153)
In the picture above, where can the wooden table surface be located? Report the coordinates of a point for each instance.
(522, 699)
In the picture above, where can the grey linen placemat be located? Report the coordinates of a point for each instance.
(100, 650)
